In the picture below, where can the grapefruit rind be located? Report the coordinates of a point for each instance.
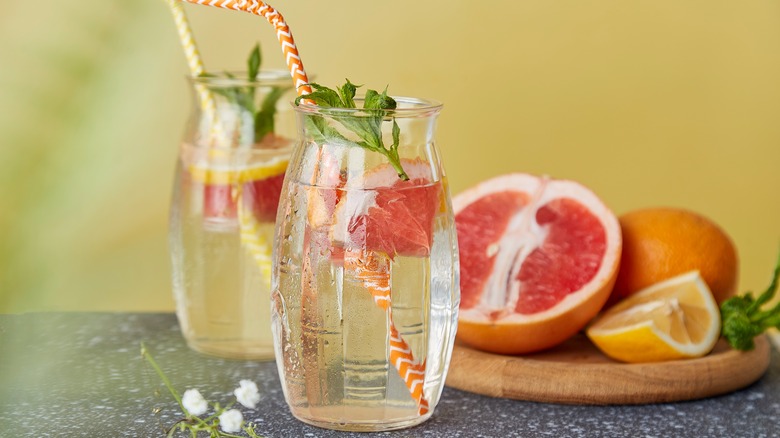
(648, 341)
(524, 333)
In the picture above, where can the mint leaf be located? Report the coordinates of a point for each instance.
(396, 136)
(245, 96)
(322, 96)
(382, 101)
(347, 94)
(742, 318)
(367, 124)
(264, 119)
(253, 63)
(321, 131)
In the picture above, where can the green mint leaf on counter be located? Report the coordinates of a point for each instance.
(367, 125)
(743, 319)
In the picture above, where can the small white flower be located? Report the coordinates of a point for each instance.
(247, 393)
(194, 403)
(230, 420)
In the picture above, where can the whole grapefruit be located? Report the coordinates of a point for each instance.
(661, 243)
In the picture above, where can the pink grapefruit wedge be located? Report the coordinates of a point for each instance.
(538, 259)
(384, 214)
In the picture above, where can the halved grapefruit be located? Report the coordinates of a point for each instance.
(538, 259)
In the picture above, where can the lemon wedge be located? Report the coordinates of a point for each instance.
(674, 319)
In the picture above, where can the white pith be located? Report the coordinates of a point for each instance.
(522, 235)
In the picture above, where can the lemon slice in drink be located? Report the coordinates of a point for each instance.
(215, 175)
(674, 319)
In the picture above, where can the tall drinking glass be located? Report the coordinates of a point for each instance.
(365, 287)
(226, 192)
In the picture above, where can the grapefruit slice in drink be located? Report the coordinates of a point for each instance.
(538, 259)
(260, 184)
(381, 213)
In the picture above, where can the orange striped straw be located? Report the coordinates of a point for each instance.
(283, 33)
(373, 271)
(370, 268)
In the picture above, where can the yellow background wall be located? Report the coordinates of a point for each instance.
(648, 102)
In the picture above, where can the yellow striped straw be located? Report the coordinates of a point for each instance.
(195, 63)
(251, 237)
(253, 240)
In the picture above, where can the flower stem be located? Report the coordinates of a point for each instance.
(145, 354)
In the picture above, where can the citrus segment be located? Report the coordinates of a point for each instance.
(538, 261)
(389, 215)
(569, 258)
(673, 319)
(497, 209)
(261, 197)
(260, 187)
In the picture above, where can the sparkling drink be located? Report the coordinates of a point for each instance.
(365, 284)
(226, 193)
(220, 286)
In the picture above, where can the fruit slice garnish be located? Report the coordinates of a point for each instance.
(261, 186)
(538, 258)
(382, 213)
(674, 319)
(211, 175)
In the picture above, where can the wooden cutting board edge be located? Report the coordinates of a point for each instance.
(571, 382)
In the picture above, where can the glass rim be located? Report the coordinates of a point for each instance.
(408, 107)
(265, 78)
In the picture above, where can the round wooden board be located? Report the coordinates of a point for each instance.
(578, 373)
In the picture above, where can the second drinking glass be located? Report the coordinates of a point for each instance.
(228, 179)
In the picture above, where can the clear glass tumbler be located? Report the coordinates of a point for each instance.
(365, 287)
(226, 192)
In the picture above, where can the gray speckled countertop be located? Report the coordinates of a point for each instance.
(81, 374)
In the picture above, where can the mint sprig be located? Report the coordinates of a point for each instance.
(366, 124)
(742, 317)
(245, 96)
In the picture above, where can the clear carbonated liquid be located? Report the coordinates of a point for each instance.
(222, 293)
(333, 338)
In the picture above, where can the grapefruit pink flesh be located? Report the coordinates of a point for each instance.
(260, 196)
(400, 221)
(538, 258)
(480, 225)
(384, 214)
(567, 260)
